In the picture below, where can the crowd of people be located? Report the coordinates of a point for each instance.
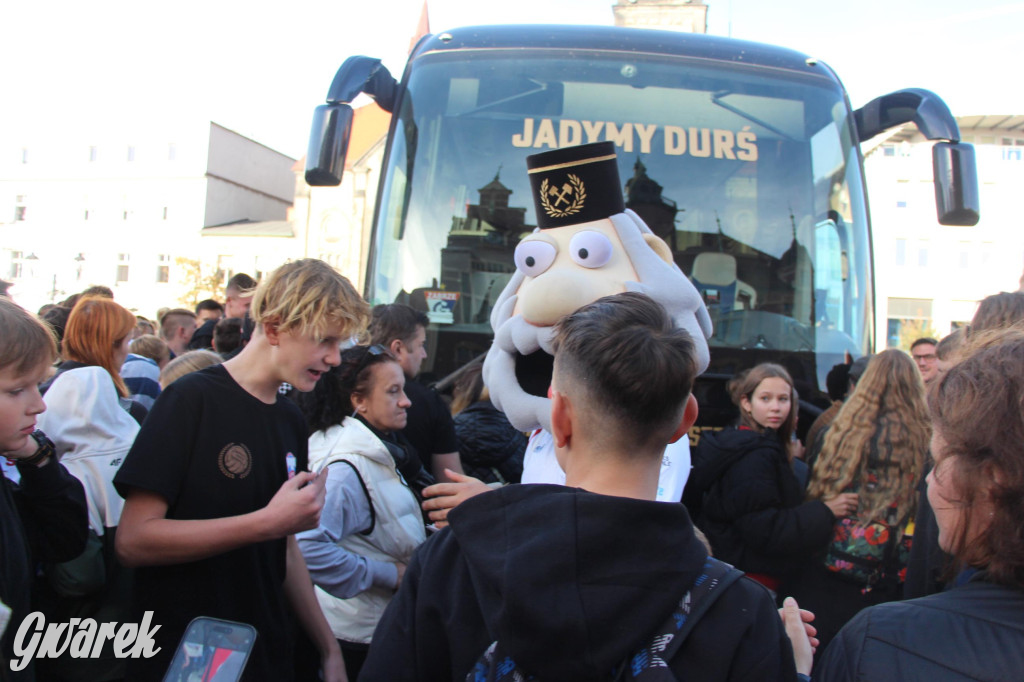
(272, 460)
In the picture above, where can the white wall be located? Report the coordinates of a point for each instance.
(962, 264)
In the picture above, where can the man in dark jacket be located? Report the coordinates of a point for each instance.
(573, 581)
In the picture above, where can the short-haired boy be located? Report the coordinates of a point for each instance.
(210, 511)
(44, 517)
(573, 580)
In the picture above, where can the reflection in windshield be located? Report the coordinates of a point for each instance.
(751, 178)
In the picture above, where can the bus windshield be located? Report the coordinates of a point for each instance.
(750, 174)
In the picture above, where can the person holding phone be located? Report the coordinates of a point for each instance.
(210, 510)
(372, 521)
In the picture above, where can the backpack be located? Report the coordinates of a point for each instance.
(649, 664)
(869, 553)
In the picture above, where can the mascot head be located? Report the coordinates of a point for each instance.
(586, 245)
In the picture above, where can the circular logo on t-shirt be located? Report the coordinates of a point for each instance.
(235, 461)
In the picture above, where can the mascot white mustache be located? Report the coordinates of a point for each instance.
(587, 245)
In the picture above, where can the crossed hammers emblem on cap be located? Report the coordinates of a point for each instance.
(561, 196)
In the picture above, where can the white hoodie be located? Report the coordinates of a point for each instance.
(92, 433)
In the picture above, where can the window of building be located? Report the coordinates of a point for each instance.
(172, 151)
(122, 267)
(20, 207)
(907, 316)
(901, 252)
(24, 155)
(165, 213)
(163, 274)
(987, 249)
(131, 153)
(901, 204)
(86, 216)
(93, 154)
(922, 253)
(16, 264)
(888, 150)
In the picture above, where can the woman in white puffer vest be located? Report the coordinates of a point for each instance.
(371, 522)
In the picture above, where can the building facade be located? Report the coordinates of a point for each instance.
(129, 212)
(931, 276)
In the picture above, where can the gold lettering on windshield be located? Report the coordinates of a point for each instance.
(646, 133)
(747, 142)
(524, 139)
(675, 141)
(570, 133)
(701, 143)
(593, 130)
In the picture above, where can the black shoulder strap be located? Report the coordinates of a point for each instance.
(366, 491)
(649, 663)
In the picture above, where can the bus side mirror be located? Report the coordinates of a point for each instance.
(956, 183)
(328, 145)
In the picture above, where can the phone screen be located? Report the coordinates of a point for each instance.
(212, 650)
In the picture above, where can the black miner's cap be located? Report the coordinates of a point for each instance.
(575, 184)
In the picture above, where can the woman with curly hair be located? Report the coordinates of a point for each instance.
(974, 631)
(876, 447)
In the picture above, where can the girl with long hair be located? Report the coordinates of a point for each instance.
(974, 631)
(877, 447)
(754, 515)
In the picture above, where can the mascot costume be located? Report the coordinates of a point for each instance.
(587, 245)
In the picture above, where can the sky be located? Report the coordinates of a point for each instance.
(260, 68)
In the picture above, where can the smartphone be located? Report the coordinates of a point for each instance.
(212, 650)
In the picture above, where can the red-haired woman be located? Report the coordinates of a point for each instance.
(89, 422)
(98, 333)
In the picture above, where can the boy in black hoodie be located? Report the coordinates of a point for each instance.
(572, 581)
(43, 517)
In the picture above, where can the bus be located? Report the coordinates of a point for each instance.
(744, 158)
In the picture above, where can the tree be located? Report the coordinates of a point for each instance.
(198, 281)
(912, 330)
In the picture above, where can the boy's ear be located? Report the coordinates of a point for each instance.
(394, 346)
(561, 418)
(688, 420)
(271, 331)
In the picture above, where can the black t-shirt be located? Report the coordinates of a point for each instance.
(213, 450)
(430, 429)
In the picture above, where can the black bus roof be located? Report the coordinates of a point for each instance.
(695, 45)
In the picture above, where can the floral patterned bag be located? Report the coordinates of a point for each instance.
(867, 553)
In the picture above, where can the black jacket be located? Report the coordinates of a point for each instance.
(974, 632)
(570, 583)
(43, 519)
(755, 516)
(489, 445)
